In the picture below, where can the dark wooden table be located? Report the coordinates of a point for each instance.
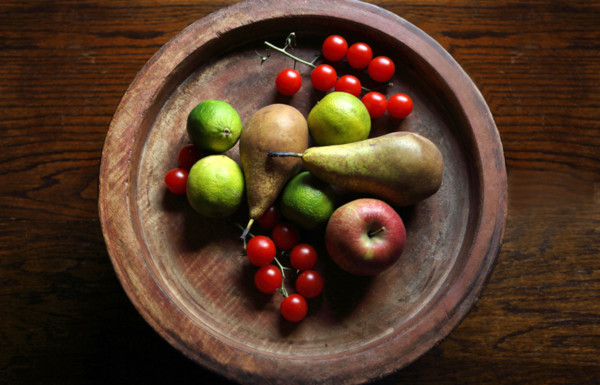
(64, 65)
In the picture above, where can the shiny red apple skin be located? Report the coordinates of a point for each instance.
(365, 236)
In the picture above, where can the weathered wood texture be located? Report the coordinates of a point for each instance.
(64, 65)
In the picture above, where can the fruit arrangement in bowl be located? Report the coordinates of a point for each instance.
(282, 211)
(291, 168)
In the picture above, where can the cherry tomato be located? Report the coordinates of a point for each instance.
(323, 77)
(359, 55)
(269, 219)
(309, 284)
(294, 308)
(303, 257)
(376, 104)
(349, 84)
(288, 82)
(188, 155)
(400, 106)
(381, 69)
(260, 250)
(334, 48)
(268, 278)
(285, 235)
(176, 180)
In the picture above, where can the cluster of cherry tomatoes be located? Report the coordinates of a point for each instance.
(359, 56)
(261, 251)
(176, 178)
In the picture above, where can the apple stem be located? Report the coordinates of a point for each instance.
(379, 230)
(276, 154)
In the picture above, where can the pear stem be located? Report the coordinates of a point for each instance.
(379, 230)
(277, 154)
(246, 231)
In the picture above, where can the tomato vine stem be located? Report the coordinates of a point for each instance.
(283, 51)
(283, 290)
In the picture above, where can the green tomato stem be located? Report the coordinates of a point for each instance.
(282, 268)
(283, 51)
(388, 84)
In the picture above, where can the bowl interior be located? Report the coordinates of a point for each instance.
(198, 262)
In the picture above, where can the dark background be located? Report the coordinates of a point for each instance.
(64, 65)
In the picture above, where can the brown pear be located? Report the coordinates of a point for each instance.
(402, 167)
(274, 126)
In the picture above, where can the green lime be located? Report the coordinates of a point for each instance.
(214, 125)
(307, 201)
(339, 118)
(215, 186)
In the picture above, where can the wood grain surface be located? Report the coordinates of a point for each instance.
(64, 66)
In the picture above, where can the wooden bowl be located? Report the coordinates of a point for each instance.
(186, 275)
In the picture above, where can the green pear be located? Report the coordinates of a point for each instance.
(274, 126)
(401, 167)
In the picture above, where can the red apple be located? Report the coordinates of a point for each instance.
(365, 236)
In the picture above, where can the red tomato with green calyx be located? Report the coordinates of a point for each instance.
(376, 104)
(268, 278)
(303, 257)
(334, 48)
(359, 55)
(188, 156)
(400, 106)
(260, 250)
(349, 84)
(269, 219)
(381, 69)
(288, 82)
(285, 235)
(309, 284)
(176, 181)
(294, 308)
(323, 77)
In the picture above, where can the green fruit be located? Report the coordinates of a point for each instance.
(339, 118)
(307, 201)
(214, 126)
(215, 186)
